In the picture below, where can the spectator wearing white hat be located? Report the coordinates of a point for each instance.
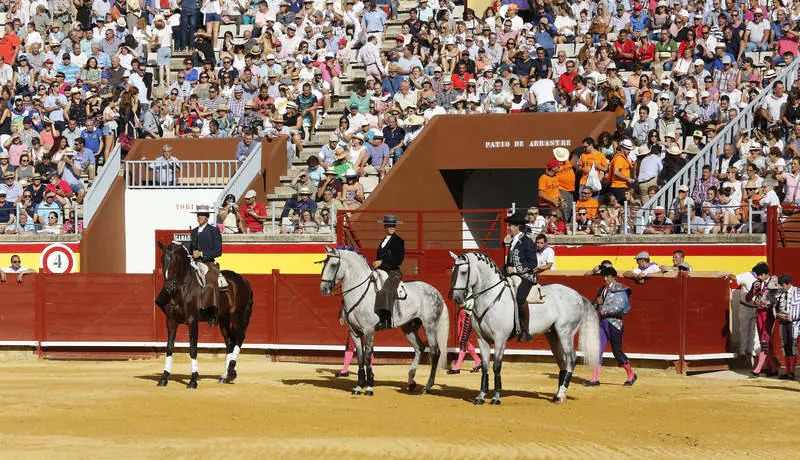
(650, 167)
(681, 209)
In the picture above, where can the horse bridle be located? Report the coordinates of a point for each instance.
(332, 282)
(475, 295)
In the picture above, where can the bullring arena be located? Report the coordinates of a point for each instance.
(83, 343)
(61, 409)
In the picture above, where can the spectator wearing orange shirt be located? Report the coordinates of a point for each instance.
(591, 156)
(621, 169)
(590, 204)
(549, 193)
(566, 180)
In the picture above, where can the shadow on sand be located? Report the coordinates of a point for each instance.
(182, 379)
(447, 391)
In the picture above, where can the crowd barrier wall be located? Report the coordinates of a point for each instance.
(673, 319)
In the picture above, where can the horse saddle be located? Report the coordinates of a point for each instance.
(379, 277)
(201, 270)
(535, 296)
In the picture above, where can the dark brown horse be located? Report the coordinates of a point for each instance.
(181, 300)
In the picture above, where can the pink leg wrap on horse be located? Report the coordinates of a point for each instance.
(596, 373)
(761, 358)
(628, 369)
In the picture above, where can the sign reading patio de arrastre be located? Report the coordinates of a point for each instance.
(523, 144)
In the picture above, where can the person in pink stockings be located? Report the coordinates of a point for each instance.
(759, 296)
(612, 304)
(464, 329)
(788, 307)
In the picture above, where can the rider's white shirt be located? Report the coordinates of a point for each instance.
(385, 241)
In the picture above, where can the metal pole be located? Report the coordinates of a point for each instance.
(574, 224)
(750, 217)
(75, 220)
(273, 216)
(625, 218)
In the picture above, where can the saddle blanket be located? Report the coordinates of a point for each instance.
(535, 296)
(380, 278)
(201, 270)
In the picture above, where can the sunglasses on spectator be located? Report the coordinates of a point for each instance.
(52, 217)
(581, 213)
(15, 261)
(27, 196)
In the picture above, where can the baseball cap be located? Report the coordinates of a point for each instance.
(552, 163)
(250, 194)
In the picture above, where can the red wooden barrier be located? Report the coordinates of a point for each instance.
(671, 317)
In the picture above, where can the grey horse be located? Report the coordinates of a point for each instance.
(562, 314)
(422, 306)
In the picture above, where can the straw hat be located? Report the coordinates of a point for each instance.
(561, 154)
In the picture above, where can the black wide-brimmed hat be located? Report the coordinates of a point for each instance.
(518, 218)
(389, 219)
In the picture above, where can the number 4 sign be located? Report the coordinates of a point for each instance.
(57, 258)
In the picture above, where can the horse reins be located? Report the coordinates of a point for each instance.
(332, 283)
(479, 293)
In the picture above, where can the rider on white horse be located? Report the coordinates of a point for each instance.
(521, 261)
(390, 256)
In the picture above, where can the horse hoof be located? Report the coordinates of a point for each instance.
(478, 402)
(356, 392)
(369, 393)
(232, 376)
(555, 398)
(192, 385)
(412, 387)
(494, 402)
(427, 391)
(162, 383)
(222, 380)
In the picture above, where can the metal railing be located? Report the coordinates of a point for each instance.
(633, 222)
(63, 226)
(179, 173)
(248, 170)
(708, 156)
(101, 185)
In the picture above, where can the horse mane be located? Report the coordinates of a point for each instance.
(352, 249)
(185, 264)
(482, 257)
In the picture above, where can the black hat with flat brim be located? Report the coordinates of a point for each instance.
(389, 219)
(518, 218)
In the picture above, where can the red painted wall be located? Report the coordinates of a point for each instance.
(669, 316)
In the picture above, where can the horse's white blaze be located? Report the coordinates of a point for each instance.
(168, 364)
(195, 368)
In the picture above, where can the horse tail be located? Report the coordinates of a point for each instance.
(442, 332)
(589, 339)
(248, 310)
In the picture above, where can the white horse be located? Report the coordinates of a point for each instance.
(422, 306)
(563, 312)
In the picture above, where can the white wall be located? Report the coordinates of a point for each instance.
(148, 210)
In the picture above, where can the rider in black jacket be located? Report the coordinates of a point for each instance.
(521, 261)
(391, 253)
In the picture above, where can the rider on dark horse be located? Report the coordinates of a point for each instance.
(391, 253)
(205, 246)
(521, 261)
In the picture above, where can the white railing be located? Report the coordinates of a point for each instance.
(248, 170)
(101, 185)
(179, 173)
(710, 153)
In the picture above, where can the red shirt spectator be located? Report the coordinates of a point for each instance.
(565, 83)
(624, 48)
(460, 80)
(251, 223)
(61, 188)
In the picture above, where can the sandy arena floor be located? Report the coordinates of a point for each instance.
(56, 409)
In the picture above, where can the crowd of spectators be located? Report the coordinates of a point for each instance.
(88, 74)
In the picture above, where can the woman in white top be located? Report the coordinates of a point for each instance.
(684, 65)
(357, 148)
(162, 35)
(565, 24)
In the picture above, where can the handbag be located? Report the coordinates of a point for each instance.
(593, 180)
